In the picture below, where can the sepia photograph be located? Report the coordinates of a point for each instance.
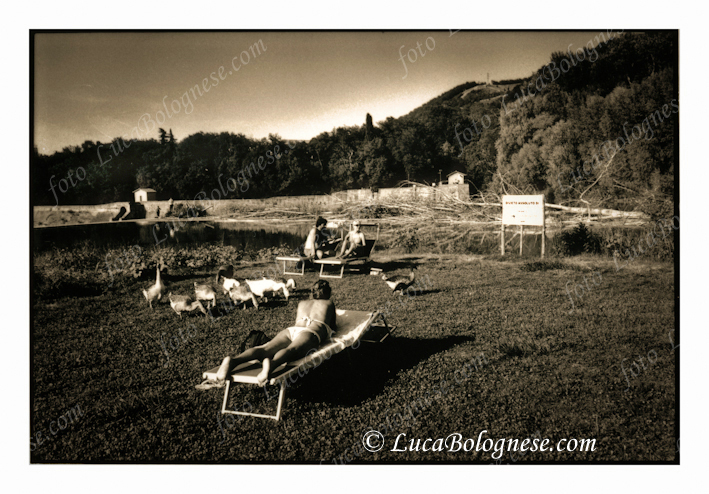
(392, 247)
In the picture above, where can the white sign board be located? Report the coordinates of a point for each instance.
(523, 210)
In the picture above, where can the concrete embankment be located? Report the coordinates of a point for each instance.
(45, 216)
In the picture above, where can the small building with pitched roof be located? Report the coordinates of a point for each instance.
(144, 195)
(456, 178)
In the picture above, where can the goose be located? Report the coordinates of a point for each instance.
(205, 292)
(399, 283)
(155, 291)
(226, 271)
(266, 285)
(228, 284)
(242, 293)
(184, 303)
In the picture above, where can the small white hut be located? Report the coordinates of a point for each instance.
(144, 195)
(456, 178)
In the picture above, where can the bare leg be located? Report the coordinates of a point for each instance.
(349, 251)
(265, 372)
(282, 340)
(298, 349)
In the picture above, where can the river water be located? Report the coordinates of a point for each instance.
(241, 234)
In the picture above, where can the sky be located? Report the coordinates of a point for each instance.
(99, 86)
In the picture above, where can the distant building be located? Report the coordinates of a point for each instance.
(143, 195)
(456, 178)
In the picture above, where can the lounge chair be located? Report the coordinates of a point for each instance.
(353, 327)
(289, 260)
(363, 257)
(291, 263)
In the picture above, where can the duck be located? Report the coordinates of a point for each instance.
(267, 285)
(205, 292)
(184, 303)
(242, 293)
(155, 291)
(400, 283)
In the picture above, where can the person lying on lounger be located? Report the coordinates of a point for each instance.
(352, 242)
(314, 323)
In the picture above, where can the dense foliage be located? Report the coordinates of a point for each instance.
(595, 127)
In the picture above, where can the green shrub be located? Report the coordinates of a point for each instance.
(407, 239)
(619, 239)
(270, 253)
(186, 211)
(578, 240)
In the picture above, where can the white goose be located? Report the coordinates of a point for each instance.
(205, 292)
(266, 285)
(155, 291)
(241, 294)
(184, 303)
(228, 284)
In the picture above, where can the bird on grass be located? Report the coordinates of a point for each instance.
(228, 284)
(205, 292)
(400, 283)
(241, 294)
(266, 285)
(184, 303)
(226, 271)
(155, 291)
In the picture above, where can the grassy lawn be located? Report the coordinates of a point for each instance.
(532, 367)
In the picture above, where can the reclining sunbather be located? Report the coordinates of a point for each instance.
(314, 324)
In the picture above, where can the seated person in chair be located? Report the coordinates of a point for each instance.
(313, 326)
(318, 244)
(353, 242)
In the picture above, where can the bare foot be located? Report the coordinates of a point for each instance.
(262, 377)
(223, 369)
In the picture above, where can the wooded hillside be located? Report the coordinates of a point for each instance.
(595, 127)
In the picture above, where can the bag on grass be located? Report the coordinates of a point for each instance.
(254, 338)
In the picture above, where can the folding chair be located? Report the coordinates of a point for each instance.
(352, 327)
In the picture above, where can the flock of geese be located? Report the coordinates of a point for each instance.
(241, 292)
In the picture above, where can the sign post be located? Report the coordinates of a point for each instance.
(522, 210)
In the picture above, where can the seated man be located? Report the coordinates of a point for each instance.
(313, 326)
(329, 240)
(313, 243)
(354, 240)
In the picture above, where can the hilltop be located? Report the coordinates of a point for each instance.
(542, 134)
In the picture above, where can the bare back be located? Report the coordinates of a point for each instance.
(309, 247)
(316, 310)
